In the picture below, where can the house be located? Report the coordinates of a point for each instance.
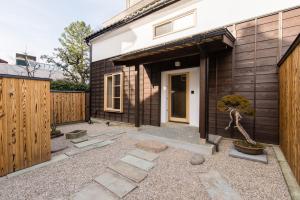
(163, 61)
(3, 61)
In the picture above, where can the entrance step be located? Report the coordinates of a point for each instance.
(130, 172)
(205, 149)
(218, 188)
(137, 162)
(92, 192)
(116, 184)
(144, 154)
(88, 143)
(216, 139)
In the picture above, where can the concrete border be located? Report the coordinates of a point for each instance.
(289, 177)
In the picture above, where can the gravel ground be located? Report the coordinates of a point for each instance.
(172, 177)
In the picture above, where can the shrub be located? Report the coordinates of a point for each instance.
(64, 85)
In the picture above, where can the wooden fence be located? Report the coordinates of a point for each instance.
(290, 107)
(67, 107)
(24, 123)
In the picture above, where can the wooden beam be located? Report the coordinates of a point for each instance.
(137, 96)
(203, 98)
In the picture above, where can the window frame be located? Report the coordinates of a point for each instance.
(192, 12)
(106, 108)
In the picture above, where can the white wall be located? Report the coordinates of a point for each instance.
(194, 79)
(210, 14)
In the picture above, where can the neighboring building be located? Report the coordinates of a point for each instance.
(172, 60)
(20, 70)
(23, 59)
(3, 61)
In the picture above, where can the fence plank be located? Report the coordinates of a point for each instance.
(290, 110)
(67, 107)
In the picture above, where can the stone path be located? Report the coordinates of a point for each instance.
(88, 143)
(121, 177)
(87, 148)
(218, 188)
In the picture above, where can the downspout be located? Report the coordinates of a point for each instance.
(90, 96)
(207, 104)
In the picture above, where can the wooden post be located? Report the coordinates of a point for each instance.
(203, 98)
(137, 96)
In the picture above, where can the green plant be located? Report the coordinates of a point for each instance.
(236, 105)
(65, 85)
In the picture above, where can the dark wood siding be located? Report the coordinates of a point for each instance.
(249, 70)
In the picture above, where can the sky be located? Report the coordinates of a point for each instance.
(34, 26)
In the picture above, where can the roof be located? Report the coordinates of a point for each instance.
(142, 12)
(3, 61)
(205, 38)
(290, 50)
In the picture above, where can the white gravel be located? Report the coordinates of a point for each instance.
(173, 177)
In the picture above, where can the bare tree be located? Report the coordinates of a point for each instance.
(30, 67)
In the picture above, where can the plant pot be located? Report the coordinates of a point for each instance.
(245, 147)
(56, 133)
(76, 134)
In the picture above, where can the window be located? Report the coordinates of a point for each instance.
(179, 23)
(113, 92)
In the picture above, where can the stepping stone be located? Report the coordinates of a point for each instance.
(76, 134)
(130, 172)
(197, 159)
(79, 140)
(137, 162)
(88, 143)
(92, 192)
(100, 133)
(144, 154)
(113, 133)
(217, 187)
(256, 158)
(151, 145)
(99, 145)
(117, 185)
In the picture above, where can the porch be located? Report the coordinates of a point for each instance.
(171, 83)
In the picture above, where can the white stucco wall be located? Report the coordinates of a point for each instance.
(194, 80)
(210, 14)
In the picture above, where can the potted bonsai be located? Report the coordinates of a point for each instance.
(237, 105)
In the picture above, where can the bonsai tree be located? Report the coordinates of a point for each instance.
(237, 105)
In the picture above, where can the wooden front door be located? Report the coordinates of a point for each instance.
(178, 101)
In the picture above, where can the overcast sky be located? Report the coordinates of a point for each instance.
(36, 25)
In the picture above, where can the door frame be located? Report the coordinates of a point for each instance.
(187, 98)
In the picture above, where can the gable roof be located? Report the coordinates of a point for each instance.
(3, 61)
(142, 12)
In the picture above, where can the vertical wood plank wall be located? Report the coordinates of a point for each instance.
(290, 110)
(67, 107)
(251, 70)
(24, 123)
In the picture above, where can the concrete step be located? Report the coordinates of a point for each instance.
(216, 139)
(116, 184)
(205, 149)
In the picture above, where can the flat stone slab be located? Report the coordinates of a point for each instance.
(144, 154)
(151, 145)
(130, 172)
(88, 143)
(217, 187)
(81, 150)
(256, 158)
(137, 162)
(92, 192)
(113, 133)
(117, 185)
(79, 140)
(75, 134)
(57, 148)
(96, 134)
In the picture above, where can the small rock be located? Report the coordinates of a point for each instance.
(197, 159)
(151, 145)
